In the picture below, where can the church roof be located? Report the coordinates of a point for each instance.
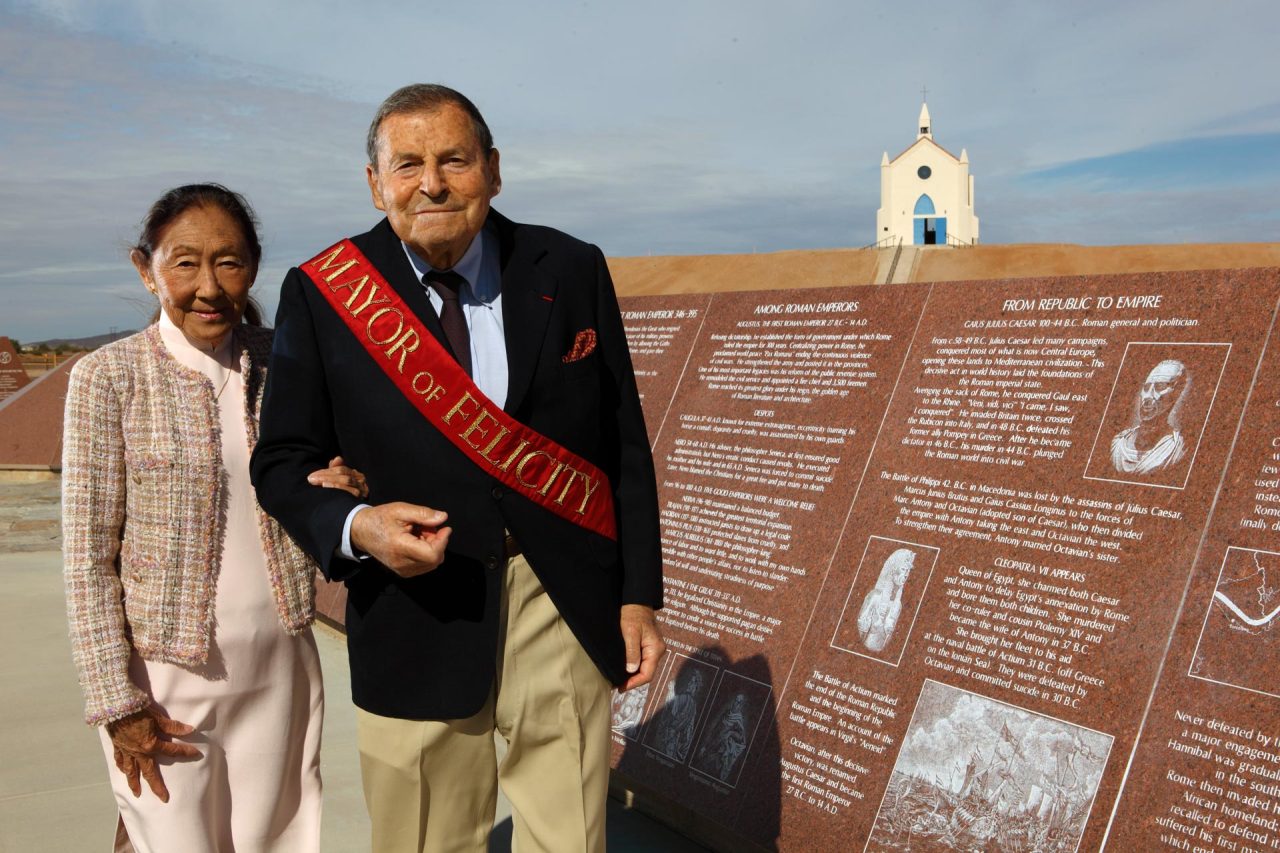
(922, 140)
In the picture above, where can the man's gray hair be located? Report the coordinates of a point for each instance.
(425, 97)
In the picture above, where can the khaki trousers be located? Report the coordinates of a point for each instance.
(431, 785)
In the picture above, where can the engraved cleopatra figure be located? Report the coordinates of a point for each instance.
(505, 571)
(1154, 442)
(883, 603)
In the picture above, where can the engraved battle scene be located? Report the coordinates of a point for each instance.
(977, 774)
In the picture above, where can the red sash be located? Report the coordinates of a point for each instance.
(525, 461)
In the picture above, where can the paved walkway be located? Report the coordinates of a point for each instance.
(54, 794)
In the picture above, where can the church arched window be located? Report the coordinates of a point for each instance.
(924, 206)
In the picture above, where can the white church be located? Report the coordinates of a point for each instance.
(926, 195)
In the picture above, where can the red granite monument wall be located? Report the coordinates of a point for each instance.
(926, 547)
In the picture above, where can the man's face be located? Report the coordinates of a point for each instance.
(1160, 390)
(433, 181)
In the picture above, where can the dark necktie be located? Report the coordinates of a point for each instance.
(447, 284)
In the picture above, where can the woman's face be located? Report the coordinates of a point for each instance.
(201, 269)
(903, 570)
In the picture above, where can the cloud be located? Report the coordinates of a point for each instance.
(664, 128)
(102, 129)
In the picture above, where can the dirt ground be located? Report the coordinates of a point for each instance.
(832, 267)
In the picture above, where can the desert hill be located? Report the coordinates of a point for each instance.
(827, 267)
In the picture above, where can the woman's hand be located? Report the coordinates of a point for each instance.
(138, 738)
(339, 476)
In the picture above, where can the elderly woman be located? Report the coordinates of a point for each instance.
(190, 608)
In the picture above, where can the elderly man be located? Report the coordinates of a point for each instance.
(506, 570)
(1154, 442)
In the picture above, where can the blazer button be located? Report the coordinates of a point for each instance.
(491, 562)
(497, 493)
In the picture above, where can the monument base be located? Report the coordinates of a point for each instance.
(680, 819)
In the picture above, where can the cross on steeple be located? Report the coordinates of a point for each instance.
(924, 93)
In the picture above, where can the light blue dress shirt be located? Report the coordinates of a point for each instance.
(481, 301)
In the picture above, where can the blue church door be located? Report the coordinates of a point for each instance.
(930, 230)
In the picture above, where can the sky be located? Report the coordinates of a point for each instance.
(693, 127)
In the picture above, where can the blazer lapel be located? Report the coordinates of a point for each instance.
(528, 294)
(386, 253)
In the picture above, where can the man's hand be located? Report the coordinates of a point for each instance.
(644, 644)
(137, 740)
(340, 476)
(406, 538)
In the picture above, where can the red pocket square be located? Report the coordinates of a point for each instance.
(584, 343)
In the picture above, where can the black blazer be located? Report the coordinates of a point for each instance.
(426, 648)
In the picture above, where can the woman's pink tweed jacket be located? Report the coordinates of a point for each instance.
(143, 502)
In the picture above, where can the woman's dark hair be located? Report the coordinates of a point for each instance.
(178, 201)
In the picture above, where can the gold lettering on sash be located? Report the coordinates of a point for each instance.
(369, 300)
(546, 487)
(475, 427)
(473, 424)
(574, 473)
(503, 432)
(588, 491)
(339, 271)
(355, 285)
(519, 474)
(524, 442)
(331, 259)
(457, 407)
(405, 350)
(377, 315)
(431, 383)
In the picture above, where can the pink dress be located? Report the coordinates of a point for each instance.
(258, 702)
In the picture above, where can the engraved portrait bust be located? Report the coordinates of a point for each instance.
(1154, 442)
